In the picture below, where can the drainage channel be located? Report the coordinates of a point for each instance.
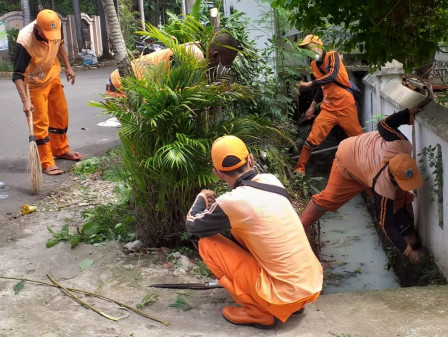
(351, 254)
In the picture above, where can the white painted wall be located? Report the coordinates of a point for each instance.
(431, 128)
(261, 26)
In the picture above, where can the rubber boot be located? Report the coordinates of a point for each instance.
(251, 314)
(311, 214)
(303, 159)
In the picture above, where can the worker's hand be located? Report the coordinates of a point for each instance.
(70, 74)
(414, 258)
(303, 85)
(208, 195)
(310, 113)
(27, 108)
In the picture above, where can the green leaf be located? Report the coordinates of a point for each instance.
(75, 240)
(64, 232)
(18, 287)
(85, 264)
(51, 242)
(91, 228)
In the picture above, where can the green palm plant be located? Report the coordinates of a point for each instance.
(169, 122)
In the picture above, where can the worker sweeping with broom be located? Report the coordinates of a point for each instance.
(36, 64)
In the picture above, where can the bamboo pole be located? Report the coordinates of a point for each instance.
(77, 299)
(141, 313)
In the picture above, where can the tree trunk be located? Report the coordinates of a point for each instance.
(104, 40)
(116, 37)
(39, 5)
(77, 14)
(141, 9)
(26, 12)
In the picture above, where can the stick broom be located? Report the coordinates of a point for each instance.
(34, 166)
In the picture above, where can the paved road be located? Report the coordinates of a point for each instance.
(84, 135)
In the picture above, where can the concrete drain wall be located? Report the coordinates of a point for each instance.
(351, 253)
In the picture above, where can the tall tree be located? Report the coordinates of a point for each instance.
(77, 15)
(141, 10)
(406, 30)
(116, 35)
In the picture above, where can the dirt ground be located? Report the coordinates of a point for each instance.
(39, 310)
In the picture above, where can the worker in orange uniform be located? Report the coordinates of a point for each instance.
(337, 103)
(220, 58)
(36, 64)
(270, 268)
(380, 163)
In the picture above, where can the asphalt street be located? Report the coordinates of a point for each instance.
(84, 135)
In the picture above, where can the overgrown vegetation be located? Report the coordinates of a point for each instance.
(408, 275)
(408, 31)
(170, 116)
(112, 221)
(431, 157)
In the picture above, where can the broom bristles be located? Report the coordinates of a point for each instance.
(34, 167)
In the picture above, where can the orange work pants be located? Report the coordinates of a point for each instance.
(237, 271)
(341, 187)
(347, 119)
(50, 121)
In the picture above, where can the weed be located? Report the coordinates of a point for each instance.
(62, 235)
(147, 300)
(105, 222)
(432, 157)
(181, 303)
(201, 269)
(375, 119)
(443, 98)
(173, 258)
(18, 287)
(87, 166)
(304, 185)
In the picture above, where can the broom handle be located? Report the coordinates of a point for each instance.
(30, 114)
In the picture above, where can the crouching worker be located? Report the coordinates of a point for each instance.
(270, 270)
(380, 163)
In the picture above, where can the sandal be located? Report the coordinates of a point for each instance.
(70, 155)
(53, 171)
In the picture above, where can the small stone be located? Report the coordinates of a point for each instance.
(134, 246)
(165, 250)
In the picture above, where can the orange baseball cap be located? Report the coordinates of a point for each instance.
(50, 24)
(229, 146)
(311, 38)
(404, 169)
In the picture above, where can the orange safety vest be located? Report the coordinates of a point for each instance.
(335, 97)
(364, 155)
(268, 226)
(140, 64)
(44, 66)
